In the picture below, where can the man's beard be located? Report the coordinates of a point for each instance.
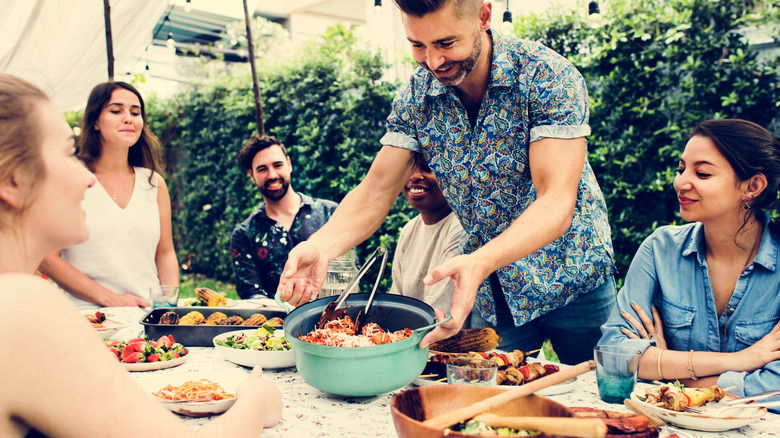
(465, 66)
(275, 195)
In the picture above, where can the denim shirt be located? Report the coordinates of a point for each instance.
(670, 271)
(259, 245)
(484, 172)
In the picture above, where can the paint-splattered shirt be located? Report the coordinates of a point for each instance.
(259, 245)
(484, 173)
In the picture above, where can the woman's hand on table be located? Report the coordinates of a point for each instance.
(766, 350)
(112, 299)
(648, 328)
(264, 394)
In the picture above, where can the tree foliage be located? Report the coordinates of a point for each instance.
(654, 70)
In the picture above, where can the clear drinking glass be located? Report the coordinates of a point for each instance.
(471, 371)
(340, 272)
(616, 369)
(163, 296)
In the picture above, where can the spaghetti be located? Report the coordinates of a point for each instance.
(341, 333)
(192, 389)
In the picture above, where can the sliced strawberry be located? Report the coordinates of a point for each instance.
(133, 357)
(112, 342)
(175, 354)
(165, 342)
(171, 338)
(114, 350)
(153, 357)
(136, 340)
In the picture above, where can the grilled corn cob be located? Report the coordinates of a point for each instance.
(255, 319)
(474, 339)
(192, 318)
(169, 318)
(215, 318)
(275, 322)
(209, 297)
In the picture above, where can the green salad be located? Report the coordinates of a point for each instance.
(472, 427)
(266, 338)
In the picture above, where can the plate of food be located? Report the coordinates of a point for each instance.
(214, 393)
(265, 346)
(141, 354)
(105, 327)
(669, 400)
(514, 369)
(205, 297)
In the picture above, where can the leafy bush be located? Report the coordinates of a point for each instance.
(654, 70)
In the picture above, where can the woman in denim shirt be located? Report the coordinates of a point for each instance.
(702, 300)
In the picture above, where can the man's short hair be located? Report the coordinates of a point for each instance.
(418, 8)
(255, 144)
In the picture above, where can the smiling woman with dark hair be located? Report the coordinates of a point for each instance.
(702, 300)
(131, 245)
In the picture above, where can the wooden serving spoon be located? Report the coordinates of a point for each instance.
(462, 414)
(583, 427)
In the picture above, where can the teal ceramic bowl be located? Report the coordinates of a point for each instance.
(363, 371)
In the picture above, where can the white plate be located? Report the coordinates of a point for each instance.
(252, 358)
(228, 381)
(737, 417)
(109, 328)
(187, 302)
(154, 366)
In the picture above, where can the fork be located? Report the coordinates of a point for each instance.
(719, 411)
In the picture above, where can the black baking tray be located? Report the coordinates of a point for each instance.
(198, 335)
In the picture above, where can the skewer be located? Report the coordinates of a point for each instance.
(443, 379)
(730, 388)
(425, 376)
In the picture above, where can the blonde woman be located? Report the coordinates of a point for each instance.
(60, 379)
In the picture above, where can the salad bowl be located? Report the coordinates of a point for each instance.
(250, 353)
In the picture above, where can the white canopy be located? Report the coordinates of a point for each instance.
(60, 45)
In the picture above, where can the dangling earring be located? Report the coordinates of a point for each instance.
(746, 207)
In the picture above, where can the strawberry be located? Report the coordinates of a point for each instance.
(133, 357)
(176, 355)
(136, 346)
(165, 342)
(171, 338)
(136, 340)
(153, 357)
(114, 350)
(112, 342)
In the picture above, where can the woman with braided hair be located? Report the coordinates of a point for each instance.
(702, 300)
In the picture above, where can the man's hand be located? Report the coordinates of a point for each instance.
(466, 273)
(303, 274)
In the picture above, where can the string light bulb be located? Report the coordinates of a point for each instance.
(594, 15)
(506, 24)
(188, 6)
(377, 8)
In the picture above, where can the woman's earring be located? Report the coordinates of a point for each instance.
(746, 207)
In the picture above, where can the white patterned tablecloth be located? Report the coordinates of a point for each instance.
(309, 412)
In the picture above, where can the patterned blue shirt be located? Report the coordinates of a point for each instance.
(670, 271)
(259, 245)
(484, 173)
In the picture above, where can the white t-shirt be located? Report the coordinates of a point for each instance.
(421, 248)
(122, 244)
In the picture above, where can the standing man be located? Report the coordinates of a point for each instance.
(426, 241)
(259, 245)
(502, 123)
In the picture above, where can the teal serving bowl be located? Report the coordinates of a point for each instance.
(363, 371)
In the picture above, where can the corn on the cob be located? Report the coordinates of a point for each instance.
(209, 297)
(255, 319)
(275, 322)
(474, 339)
(215, 318)
(192, 318)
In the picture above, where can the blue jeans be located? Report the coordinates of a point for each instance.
(573, 329)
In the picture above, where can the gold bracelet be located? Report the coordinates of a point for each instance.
(690, 366)
(660, 352)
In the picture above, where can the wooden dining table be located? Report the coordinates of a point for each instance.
(309, 412)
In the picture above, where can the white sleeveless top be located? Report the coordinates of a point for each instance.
(120, 251)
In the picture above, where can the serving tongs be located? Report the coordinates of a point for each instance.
(334, 309)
